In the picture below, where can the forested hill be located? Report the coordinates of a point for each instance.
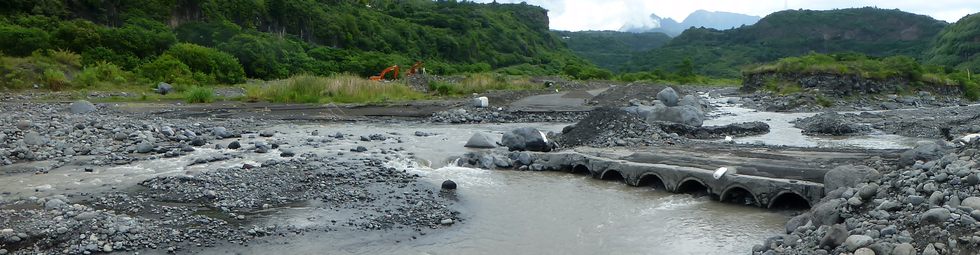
(958, 46)
(610, 49)
(872, 31)
(279, 38)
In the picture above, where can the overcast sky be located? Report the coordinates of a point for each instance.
(612, 14)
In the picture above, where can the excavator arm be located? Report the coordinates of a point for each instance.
(385, 72)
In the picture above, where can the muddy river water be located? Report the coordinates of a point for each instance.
(503, 212)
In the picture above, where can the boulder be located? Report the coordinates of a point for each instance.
(971, 202)
(24, 124)
(826, 213)
(480, 140)
(691, 100)
(234, 145)
(848, 176)
(81, 106)
(830, 123)
(855, 242)
(926, 152)
(903, 249)
(33, 138)
(198, 141)
(835, 236)
(222, 132)
(526, 138)
(144, 147)
(668, 96)
(934, 216)
(481, 102)
(448, 185)
(164, 88)
(685, 114)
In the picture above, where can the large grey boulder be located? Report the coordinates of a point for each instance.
(526, 139)
(971, 202)
(33, 138)
(926, 152)
(836, 235)
(81, 106)
(144, 147)
(691, 100)
(848, 176)
(480, 140)
(855, 242)
(222, 132)
(826, 213)
(685, 114)
(668, 96)
(934, 216)
(164, 88)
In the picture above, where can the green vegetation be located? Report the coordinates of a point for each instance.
(198, 94)
(203, 43)
(900, 67)
(482, 82)
(722, 53)
(610, 49)
(958, 46)
(340, 88)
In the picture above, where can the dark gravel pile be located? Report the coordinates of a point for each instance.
(470, 115)
(831, 123)
(605, 127)
(40, 131)
(927, 207)
(715, 132)
(182, 212)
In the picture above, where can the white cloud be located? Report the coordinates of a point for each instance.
(612, 14)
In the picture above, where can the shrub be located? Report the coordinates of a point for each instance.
(223, 66)
(342, 88)
(55, 79)
(66, 57)
(102, 73)
(199, 94)
(168, 69)
(20, 41)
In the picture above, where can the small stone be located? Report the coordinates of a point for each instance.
(934, 216)
(903, 249)
(446, 222)
(971, 202)
(81, 106)
(972, 179)
(930, 250)
(915, 200)
(855, 201)
(234, 145)
(266, 133)
(864, 251)
(107, 248)
(287, 154)
(834, 237)
(359, 149)
(936, 198)
(240, 217)
(855, 242)
(449, 184)
(198, 141)
(24, 124)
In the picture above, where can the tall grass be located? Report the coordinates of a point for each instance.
(341, 88)
(198, 94)
(483, 82)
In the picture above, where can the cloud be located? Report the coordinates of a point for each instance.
(613, 14)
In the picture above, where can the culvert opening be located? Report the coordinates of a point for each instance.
(580, 169)
(612, 175)
(652, 181)
(692, 187)
(738, 195)
(789, 201)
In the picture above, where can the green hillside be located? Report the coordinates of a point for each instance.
(871, 31)
(610, 49)
(958, 46)
(203, 41)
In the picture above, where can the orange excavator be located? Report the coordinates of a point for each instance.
(411, 71)
(386, 71)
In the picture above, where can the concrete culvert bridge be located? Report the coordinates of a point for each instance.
(733, 187)
(692, 186)
(612, 175)
(653, 181)
(739, 195)
(789, 200)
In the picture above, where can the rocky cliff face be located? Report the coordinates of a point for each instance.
(842, 85)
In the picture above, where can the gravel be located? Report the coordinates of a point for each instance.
(920, 208)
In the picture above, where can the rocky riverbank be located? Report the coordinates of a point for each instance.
(928, 203)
